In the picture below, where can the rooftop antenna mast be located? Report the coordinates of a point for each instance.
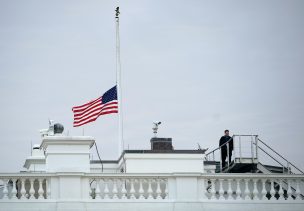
(118, 84)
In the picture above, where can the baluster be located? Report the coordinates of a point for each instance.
(246, 191)
(289, 191)
(32, 190)
(91, 193)
(281, 191)
(221, 189)
(238, 189)
(14, 189)
(213, 192)
(123, 189)
(166, 189)
(141, 191)
(106, 189)
(150, 190)
(40, 190)
(205, 189)
(132, 190)
(255, 190)
(272, 191)
(115, 191)
(97, 189)
(297, 192)
(264, 191)
(22, 191)
(48, 188)
(229, 191)
(5, 189)
(158, 190)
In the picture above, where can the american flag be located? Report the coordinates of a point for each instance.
(89, 112)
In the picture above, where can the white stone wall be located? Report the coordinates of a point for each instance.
(164, 163)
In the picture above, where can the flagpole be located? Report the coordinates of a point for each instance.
(118, 84)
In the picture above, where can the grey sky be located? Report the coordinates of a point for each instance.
(198, 66)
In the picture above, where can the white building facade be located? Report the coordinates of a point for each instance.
(60, 176)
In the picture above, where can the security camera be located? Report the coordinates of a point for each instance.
(155, 127)
(157, 123)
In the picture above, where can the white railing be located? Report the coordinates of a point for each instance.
(253, 187)
(24, 186)
(152, 187)
(128, 187)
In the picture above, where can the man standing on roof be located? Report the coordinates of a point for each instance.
(222, 143)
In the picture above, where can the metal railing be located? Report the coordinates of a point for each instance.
(248, 147)
(238, 150)
(288, 163)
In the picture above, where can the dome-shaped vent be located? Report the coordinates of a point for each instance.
(58, 128)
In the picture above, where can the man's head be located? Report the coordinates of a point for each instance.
(226, 132)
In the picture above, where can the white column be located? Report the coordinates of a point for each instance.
(298, 192)
(229, 191)
(141, 190)
(5, 190)
(132, 190)
(32, 190)
(246, 191)
(150, 191)
(281, 192)
(106, 189)
(115, 191)
(238, 189)
(97, 190)
(264, 191)
(166, 188)
(272, 191)
(22, 191)
(289, 191)
(221, 189)
(158, 190)
(14, 190)
(255, 190)
(123, 189)
(40, 190)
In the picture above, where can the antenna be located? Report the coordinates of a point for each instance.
(199, 146)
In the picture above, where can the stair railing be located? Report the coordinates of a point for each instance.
(256, 146)
(218, 149)
(287, 162)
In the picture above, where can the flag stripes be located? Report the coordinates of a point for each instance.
(89, 112)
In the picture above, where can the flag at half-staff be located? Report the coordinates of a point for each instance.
(89, 112)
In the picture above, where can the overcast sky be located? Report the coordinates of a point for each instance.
(198, 66)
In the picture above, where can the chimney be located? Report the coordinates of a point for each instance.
(161, 143)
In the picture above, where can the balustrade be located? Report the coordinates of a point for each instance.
(129, 188)
(219, 187)
(24, 188)
(228, 187)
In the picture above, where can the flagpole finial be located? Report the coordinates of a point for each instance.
(117, 12)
